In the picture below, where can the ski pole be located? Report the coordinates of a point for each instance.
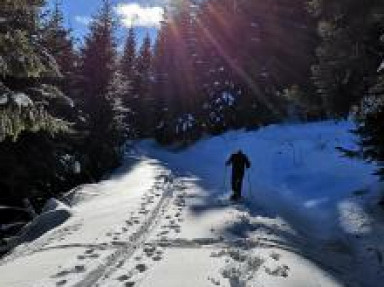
(225, 179)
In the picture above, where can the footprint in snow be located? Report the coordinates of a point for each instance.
(123, 278)
(275, 256)
(95, 255)
(61, 283)
(118, 243)
(214, 281)
(76, 269)
(164, 232)
(281, 271)
(149, 250)
(62, 273)
(157, 258)
(79, 268)
(141, 267)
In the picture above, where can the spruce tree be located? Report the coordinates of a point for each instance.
(162, 101)
(346, 55)
(59, 41)
(128, 59)
(371, 112)
(31, 122)
(118, 127)
(175, 89)
(60, 44)
(145, 104)
(97, 69)
(27, 100)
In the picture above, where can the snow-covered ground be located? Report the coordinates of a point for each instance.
(308, 218)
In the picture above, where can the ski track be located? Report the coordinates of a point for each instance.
(123, 251)
(126, 248)
(134, 242)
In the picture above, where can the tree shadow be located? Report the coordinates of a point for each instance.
(257, 228)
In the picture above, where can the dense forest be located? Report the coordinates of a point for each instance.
(67, 110)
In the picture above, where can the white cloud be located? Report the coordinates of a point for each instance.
(137, 15)
(85, 20)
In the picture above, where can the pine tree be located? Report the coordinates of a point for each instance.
(145, 104)
(98, 58)
(59, 41)
(371, 113)
(31, 122)
(60, 44)
(175, 89)
(370, 129)
(128, 59)
(97, 69)
(163, 103)
(117, 127)
(25, 67)
(346, 55)
(226, 63)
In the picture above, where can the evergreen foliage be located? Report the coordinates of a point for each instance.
(33, 133)
(144, 108)
(128, 60)
(97, 71)
(348, 52)
(248, 51)
(348, 73)
(28, 100)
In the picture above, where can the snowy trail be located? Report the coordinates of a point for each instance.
(193, 246)
(176, 222)
(163, 220)
(134, 241)
(110, 221)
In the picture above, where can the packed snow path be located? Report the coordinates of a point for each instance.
(163, 220)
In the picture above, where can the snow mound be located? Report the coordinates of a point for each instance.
(22, 100)
(53, 214)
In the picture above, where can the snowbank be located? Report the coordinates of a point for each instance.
(296, 170)
(53, 214)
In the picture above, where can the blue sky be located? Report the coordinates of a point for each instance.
(143, 14)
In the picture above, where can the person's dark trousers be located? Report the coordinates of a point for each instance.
(237, 182)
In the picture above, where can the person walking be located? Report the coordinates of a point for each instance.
(239, 162)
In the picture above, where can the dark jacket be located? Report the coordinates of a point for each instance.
(239, 162)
